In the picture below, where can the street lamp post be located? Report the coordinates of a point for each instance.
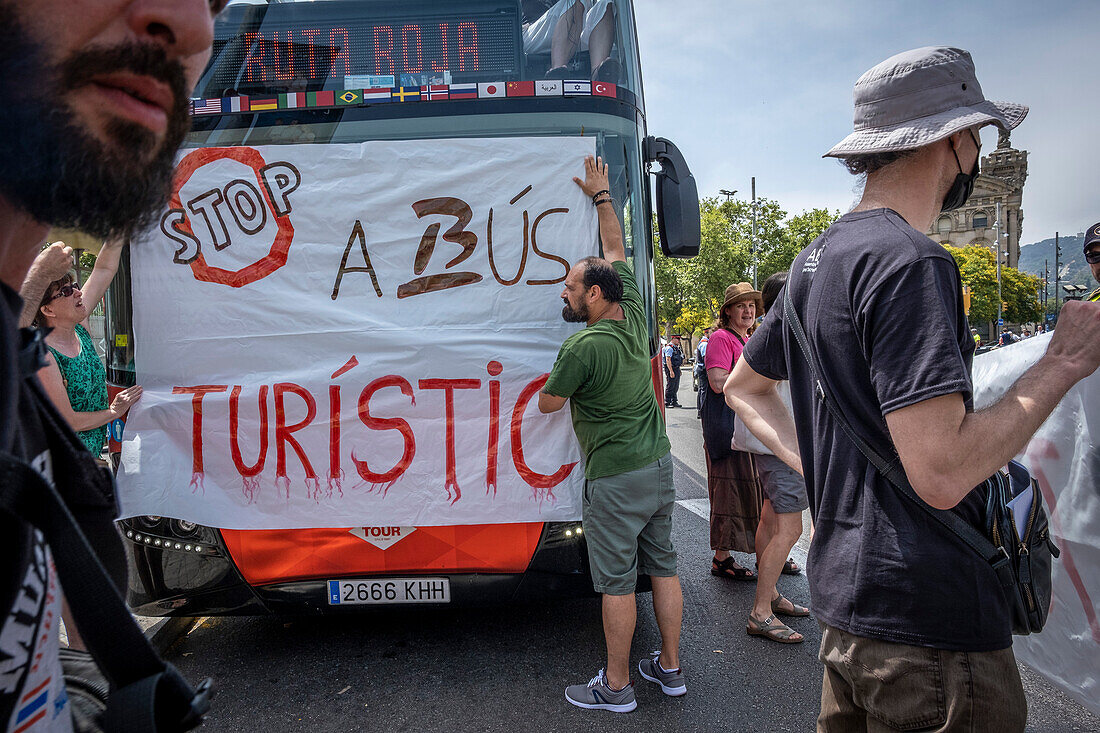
(753, 247)
(1000, 302)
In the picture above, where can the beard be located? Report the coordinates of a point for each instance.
(574, 316)
(53, 167)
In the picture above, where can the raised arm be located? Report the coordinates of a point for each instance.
(611, 233)
(947, 451)
(51, 264)
(106, 265)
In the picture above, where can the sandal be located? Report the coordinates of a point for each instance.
(796, 610)
(777, 631)
(789, 568)
(728, 568)
(558, 72)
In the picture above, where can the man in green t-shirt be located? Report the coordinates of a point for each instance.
(604, 372)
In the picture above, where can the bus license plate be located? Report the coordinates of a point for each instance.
(389, 590)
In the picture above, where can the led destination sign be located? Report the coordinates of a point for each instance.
(286, 49)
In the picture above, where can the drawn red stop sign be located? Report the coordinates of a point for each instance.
(280, 246)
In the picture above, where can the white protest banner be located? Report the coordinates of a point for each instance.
(1064, 457)
(355, 335)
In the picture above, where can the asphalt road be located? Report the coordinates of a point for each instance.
(505, 669)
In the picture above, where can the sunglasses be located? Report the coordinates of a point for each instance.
(64, 291)
(1092, 256)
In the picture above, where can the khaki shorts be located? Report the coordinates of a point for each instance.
(878, 686)
(628, 527)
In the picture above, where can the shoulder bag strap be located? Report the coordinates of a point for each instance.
(891, 469)
(148, 695)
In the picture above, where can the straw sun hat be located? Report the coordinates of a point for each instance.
(743, 291)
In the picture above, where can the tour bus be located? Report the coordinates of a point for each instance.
(340, 71)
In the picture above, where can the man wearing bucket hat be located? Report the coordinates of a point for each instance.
(1092, 256)
(916, 630)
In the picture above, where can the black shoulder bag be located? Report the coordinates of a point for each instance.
(718, 419)
(147, 694)
(1021, 561)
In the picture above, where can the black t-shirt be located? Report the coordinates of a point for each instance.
(32, 691)
(881, 304)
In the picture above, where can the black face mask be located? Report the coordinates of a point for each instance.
(964, 183)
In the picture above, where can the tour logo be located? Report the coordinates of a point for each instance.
(233, 233)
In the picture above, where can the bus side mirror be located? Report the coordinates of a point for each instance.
(677, 199)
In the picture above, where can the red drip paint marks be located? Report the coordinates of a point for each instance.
(336, 482)
(250, 486)
(351, 364)
(283, 433)
(543, 484)
(1036, 452)
(313, 486)
(283, 482)
(494, 368)
(383, 481)
(249, 474)
(197, 393)
(454, 493)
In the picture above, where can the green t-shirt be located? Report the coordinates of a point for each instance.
(605, 372)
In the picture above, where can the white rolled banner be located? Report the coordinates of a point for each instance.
(1064, 457)
(355, 335)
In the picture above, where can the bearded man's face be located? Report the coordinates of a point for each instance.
(96, 106)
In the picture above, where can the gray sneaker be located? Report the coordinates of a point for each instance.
(597, 695)
(672, 683)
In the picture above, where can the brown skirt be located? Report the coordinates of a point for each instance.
(735, 501)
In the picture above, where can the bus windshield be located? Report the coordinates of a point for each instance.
(283, 59)
(263, 48)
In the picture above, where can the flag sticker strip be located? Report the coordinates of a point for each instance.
(427, 92)
(463, 91)
(292, 100)
(207, 106)
(407, 94)
(377, 94)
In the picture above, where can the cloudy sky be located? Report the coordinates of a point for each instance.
(764, 87)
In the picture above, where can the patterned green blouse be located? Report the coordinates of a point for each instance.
(86, 382)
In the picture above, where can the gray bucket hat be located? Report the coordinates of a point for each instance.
(918, 97)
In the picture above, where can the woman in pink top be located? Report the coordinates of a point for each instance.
(735, 496)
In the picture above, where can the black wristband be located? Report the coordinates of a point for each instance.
(599, 193)
(602, 201)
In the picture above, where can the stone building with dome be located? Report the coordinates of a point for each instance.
(1002, 177)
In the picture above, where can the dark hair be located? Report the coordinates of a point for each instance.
(598, 271)
(771, 289)
(51, 290)
(872, 162)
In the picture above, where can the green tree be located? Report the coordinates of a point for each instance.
(1018, 289)
(793, 237)
(1021, 292)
